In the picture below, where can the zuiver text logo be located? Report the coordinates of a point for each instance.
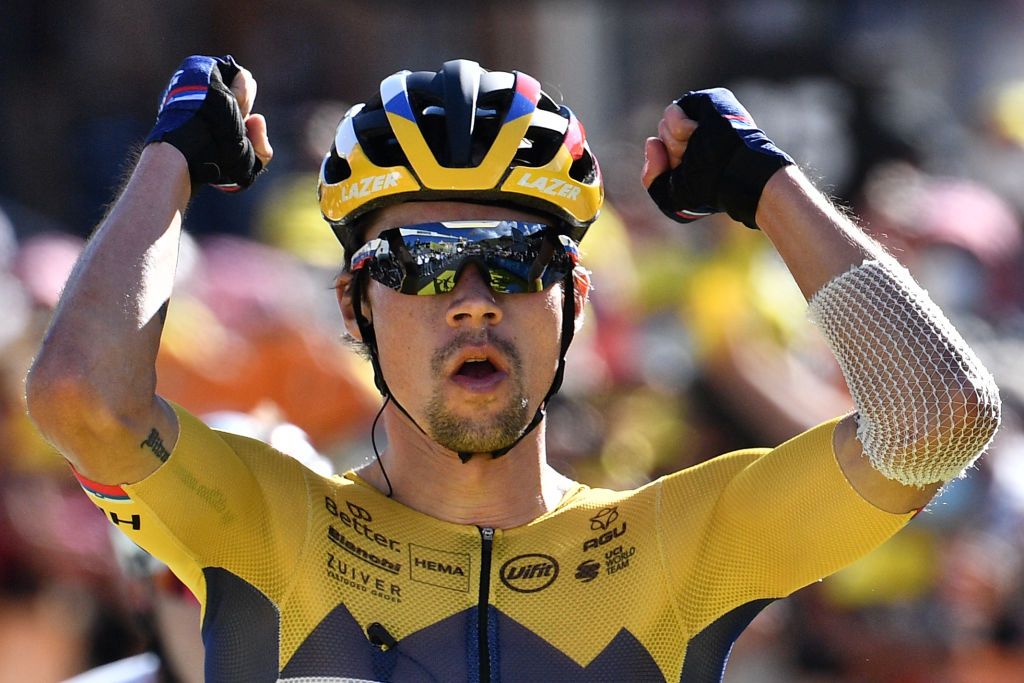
(529, 573)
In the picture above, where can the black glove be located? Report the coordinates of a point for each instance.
(725, 166)
(200, 116)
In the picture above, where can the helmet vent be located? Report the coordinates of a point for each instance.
(376, 137)
(335, 169)
(583, 170)
(427, 99)
(538, 146)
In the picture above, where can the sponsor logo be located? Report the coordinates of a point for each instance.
(339, 539)
(529, 573)
(362, 580)
(606, 537)
(357, 512)
(604, 519)
(357, 519)
(439, 567)
(369, 185)
(588, 570)
(135, 521)
(618, 558)
(549, 186)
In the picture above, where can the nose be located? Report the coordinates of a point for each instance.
(472, 301)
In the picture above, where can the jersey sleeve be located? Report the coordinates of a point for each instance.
(768, 523)
(219, 500)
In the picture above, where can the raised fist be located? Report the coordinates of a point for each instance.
(205, 113)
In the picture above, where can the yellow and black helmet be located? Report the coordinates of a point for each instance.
(461, 133)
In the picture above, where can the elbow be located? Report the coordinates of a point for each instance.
(56, 397)
(963, 431)
(978, 421)
(69, 406)
(934, 440)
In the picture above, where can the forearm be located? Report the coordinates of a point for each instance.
(96, 363)
(927, 406)
(816, 241)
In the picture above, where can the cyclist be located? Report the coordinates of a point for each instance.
(460, 197)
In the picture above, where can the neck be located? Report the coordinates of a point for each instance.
(503, 492)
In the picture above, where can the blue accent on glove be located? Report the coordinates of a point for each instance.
(727, 162)
(200, 116)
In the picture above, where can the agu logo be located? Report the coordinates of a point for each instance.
(604, 519)
(529, 573)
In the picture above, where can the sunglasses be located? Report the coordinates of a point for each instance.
(426, 259)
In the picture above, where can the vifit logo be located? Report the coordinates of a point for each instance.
(529, 573)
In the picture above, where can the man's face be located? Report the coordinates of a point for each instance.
(471, 365)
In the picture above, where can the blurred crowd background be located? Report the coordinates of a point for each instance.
(911, 114)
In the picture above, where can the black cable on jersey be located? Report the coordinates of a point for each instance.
(373, 442)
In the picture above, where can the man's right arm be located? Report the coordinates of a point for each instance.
(92, 387)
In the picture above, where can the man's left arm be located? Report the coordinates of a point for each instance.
(926, 407)
(819, 244)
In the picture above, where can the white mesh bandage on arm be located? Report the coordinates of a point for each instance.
(927, 407)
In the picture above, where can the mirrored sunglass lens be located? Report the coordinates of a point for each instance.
(500, 278)
(428, 259)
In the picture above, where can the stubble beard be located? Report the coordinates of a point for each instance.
(478, 434)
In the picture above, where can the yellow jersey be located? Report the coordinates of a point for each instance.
(307, 578)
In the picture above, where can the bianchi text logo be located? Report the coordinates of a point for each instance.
(529, 573)
(339, 539)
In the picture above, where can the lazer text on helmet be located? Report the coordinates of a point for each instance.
(369, 185)
(550, 186)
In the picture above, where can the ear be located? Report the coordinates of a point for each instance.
(343, 292)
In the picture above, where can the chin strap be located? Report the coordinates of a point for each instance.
(370, 339)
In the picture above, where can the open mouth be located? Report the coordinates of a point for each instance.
(476, 369)
(479, 371)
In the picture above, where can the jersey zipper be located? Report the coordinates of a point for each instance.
(482, 615)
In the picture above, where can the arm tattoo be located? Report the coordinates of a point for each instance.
(155, 443)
